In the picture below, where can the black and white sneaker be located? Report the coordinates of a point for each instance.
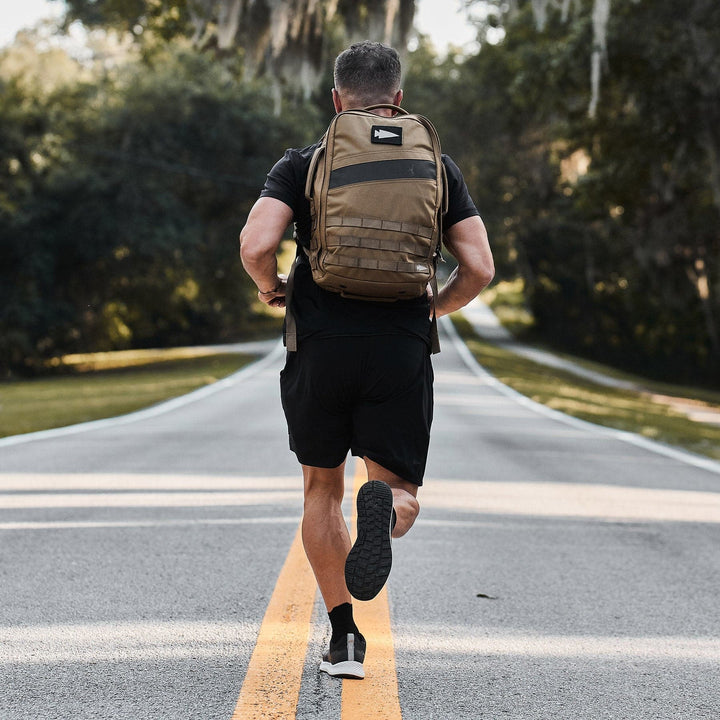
(345, 657)
(368, 565)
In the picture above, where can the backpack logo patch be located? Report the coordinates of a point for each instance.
(386, 135)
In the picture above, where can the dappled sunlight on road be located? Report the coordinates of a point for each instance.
(464, 400)
(461, 377)
(119, 642)
(18, 481)
(115, 524)
(457, 640)
(146, 499)
(32, 491)
(575, 500)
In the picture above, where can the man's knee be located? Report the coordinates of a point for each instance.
(324, 483)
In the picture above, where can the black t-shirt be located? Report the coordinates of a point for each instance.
(323, 314)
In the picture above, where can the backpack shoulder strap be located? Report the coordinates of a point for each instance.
(319, 152)
(389, 106)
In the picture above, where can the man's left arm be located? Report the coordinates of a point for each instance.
(468, 243)
(259, 243)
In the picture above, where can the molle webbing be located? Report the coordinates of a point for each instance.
(375, 224)
(397, 245)
(375, 264)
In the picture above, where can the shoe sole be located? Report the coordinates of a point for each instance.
(370, 560)
(347, 669)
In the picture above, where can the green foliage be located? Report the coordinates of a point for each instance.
(123, 187)
(121, 200)
(166, 19)
(611, 221)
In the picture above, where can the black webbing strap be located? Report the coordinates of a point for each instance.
(434, 336)
(290, 324)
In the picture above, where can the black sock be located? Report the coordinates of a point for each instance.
(341, 619)
(394, 520)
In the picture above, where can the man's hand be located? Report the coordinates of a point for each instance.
(276, 296)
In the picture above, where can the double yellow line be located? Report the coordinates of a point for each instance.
(272, 683)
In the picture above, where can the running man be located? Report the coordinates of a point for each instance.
(361, 380)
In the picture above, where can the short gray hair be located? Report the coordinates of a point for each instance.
(369, 72)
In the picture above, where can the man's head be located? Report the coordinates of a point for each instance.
(365, 74)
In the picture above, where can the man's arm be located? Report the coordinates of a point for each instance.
(259, 242)
(467, 240)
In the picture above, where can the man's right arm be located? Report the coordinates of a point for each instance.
(259, 242)
(468, 243)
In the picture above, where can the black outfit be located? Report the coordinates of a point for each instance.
(361, 379)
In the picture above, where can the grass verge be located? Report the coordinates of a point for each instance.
(507, 300)
(132, 383)
(634, 411)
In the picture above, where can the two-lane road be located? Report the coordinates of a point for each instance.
(555, 571)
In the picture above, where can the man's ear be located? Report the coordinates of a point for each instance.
(398, 98)
(336, 101)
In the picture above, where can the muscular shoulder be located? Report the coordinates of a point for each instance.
(286, 180)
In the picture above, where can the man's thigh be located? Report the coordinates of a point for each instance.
(315, 394)
(369, 394)
(392, 420)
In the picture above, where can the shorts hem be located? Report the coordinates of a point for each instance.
(319, 463)
(389, 465)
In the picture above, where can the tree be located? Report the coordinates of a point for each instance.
(122, 230)
(612, 220)
(287, 42)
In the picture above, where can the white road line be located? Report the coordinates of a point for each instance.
(682, 456)
(152, 411)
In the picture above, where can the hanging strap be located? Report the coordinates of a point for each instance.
(290, 324)
(434, 336)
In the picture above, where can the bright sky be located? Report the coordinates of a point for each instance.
(443, 20)
(19, 14)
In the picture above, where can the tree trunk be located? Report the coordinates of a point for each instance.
(699, 277)
(285, 40)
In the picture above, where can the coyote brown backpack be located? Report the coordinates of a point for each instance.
(377, 190)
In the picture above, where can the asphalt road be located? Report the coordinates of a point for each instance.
(556, 571)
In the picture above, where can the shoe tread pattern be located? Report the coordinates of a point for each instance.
(370, 560)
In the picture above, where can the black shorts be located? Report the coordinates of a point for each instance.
(370, 395)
